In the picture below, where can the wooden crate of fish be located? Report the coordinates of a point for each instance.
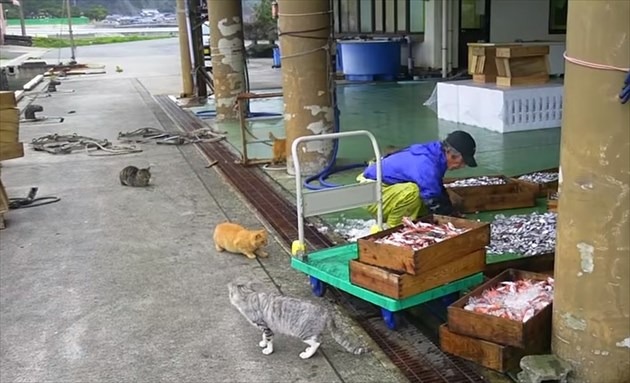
(469, 196)
(552, 201)
(430, 242)
(487, 354)
(512, 309)
(399, 285)
(540, 182)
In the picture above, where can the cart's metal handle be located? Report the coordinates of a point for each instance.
(299, 247)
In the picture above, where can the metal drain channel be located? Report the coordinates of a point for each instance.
(418, 358)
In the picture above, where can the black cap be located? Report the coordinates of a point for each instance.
(465, 145)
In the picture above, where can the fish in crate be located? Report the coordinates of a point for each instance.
(516, 300)
(421, 234)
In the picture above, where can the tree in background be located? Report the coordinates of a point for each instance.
(97, 13)
(264, 21)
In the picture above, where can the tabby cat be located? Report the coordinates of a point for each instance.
(237, 239)
(279, 149)
(275, 313)
(132, 176)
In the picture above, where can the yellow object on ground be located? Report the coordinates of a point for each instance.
(399, 200)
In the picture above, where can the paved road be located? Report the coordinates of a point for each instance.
(156, 63)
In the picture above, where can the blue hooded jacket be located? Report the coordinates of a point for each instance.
(422, 164)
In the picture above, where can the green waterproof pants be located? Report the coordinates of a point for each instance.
(399, 200)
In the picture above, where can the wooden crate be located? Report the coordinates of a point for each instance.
(7, 99)
(541, 190)
(487, 354)
(500, 330)
(406, 260)
(482, 61)
(522, 65)
(491, 197)
(11, 150)
(542, 263)
(399, 285)
(9, 125)
(552, 203)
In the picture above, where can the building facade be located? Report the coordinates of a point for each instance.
(463, 21)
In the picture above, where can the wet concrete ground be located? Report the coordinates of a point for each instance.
(120, 284)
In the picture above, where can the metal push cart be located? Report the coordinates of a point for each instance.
(331, 266)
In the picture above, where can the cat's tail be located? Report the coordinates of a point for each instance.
(343, 339)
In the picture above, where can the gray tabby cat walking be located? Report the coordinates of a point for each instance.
(275, 313)
(132, 176)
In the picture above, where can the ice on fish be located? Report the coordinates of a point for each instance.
(420, 234)
(353, 229)
(527, 234)
(516, 300)
(540, 177)
(476, 181)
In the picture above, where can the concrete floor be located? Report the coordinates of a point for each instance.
(115, 284)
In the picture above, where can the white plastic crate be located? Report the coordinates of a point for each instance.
(502, 110)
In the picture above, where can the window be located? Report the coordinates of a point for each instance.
(558, 17)
(379, 17)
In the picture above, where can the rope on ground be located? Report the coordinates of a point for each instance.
(30, 200)
(66, 144)
(167, 138)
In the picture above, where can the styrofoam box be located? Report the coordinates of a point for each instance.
(502, 110)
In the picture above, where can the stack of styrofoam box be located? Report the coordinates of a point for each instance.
(502, 110)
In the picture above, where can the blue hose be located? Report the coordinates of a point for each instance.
(331, 169)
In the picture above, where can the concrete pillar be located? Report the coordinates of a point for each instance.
(227, 49)
(184, 51)
(591, 310)
(305, 29)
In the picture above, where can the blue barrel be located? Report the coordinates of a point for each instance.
(370, 59)
(277, 62)
(338, 60)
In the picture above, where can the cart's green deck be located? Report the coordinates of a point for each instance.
(331, 266)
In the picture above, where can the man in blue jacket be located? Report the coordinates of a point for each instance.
(412, 177)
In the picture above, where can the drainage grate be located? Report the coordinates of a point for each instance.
(418, 358)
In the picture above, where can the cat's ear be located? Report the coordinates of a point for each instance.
(259, 235)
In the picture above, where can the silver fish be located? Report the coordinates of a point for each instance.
(528, 234)
(540, 177)
(475, 181)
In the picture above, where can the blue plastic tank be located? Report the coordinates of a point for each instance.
(277, 62)
(365, 60)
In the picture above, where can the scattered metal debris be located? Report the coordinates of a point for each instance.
(540, 177)
(66, 144)
(476, 181)
(144, 135)
(527, 234)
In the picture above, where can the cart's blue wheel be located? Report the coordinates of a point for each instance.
(318, 287)
(390, 318)
(449, 299)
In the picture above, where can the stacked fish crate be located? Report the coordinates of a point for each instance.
(486, 193)
(10, 147)
(501, 321)
(540, 182)
(418, 256)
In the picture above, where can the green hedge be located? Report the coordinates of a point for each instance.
(64, 21)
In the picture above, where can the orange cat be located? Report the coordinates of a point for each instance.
(237, 239)
(279, 149)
